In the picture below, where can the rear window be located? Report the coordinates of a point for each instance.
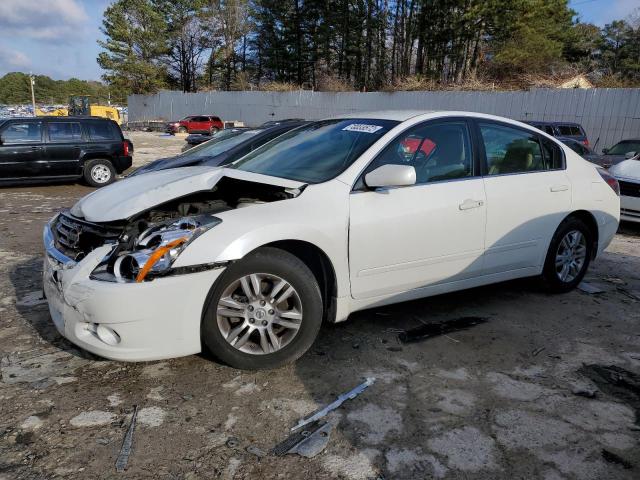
(570, 130)
(101, 131)
(64, 131)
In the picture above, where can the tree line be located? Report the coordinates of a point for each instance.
(360, 45)
(15, 89)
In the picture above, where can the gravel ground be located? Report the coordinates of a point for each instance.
(500, 400)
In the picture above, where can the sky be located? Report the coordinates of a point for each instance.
(59, 38)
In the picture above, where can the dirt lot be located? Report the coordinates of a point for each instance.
(503, 399)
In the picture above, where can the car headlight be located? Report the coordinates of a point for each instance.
(156, 249)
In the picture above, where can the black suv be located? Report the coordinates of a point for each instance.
(62, 148)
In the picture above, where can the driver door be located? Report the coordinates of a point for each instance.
(426, 234)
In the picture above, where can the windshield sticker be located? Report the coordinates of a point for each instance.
(362, 127)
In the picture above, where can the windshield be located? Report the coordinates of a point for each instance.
(624, 147)
(316, 152)
(220, 143)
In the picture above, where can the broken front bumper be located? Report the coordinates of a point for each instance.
(124, 321)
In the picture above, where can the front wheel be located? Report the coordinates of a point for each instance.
(263, 312)
(568, 257)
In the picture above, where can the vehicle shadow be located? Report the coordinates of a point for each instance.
(26, 278)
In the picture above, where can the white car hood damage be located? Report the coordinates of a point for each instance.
(125, 198)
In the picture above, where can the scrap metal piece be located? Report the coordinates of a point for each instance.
(350, 395)
(589, 288)
(434, 329)
(255, 451)
(233, 442)
(308, 442)
(127, 443)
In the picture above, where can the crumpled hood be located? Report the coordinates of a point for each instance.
(125, 198)
(165, 163)
(627, 169)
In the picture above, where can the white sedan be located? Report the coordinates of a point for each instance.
(627, 173)
(336, 216)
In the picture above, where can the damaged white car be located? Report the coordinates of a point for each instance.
(333, 217)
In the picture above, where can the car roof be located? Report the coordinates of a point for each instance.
(629, 140)
(398, 115)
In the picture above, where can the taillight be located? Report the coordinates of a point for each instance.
(611, 181)
(125, 149)
(585, 142)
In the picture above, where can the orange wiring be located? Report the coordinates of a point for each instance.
(157, 255)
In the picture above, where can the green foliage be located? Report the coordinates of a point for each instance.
(14, 89)
(136, 35)
(357, 44)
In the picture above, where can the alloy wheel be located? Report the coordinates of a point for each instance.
(571, 256)
(259, 313)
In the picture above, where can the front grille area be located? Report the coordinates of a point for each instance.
(629, 189)
(76, 238)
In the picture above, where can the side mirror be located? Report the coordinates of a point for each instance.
(605, 150)
(391, 176)
(629, 155)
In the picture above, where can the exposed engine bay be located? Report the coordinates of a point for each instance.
(147, 244)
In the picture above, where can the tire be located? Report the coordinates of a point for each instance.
(255, 321)
(99, 172)
(572, 231)
(182, 130)
(213, 130)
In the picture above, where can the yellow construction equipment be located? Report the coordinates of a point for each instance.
(80, 105)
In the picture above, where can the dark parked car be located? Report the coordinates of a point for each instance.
(623, 150)
(562, 129)
(208, 124)
(62, 148)
(217, 152)
(584, 151)
(197, 138)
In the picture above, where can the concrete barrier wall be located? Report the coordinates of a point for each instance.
(608, 115)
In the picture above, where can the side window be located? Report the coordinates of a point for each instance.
(569, 130)
(437, 151)
(511, 150)
(27, 132)
(553, 158)
(100, 131)
(64, 131)
(548, 129)
(199, 119)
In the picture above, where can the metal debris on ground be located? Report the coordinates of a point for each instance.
(252, 449)
(233, 442)
(537, 351)
(589, 288)
(617, 459)
(634, 295)
(308, 442)
(435, 329)
(350, 395)
(127, 443)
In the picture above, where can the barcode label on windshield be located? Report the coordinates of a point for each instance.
(362, 127)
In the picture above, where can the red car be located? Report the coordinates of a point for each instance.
(196, 124)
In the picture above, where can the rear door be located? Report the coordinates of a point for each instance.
(22, 150)
(63, 148)
(528, 195)
(426, 234)
(199, 124)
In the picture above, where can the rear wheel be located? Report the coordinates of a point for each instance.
(99, 172)
(263, 312)
(569, 255)
(214, 130)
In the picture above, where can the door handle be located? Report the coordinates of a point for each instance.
(559, 188)
(469, 204)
